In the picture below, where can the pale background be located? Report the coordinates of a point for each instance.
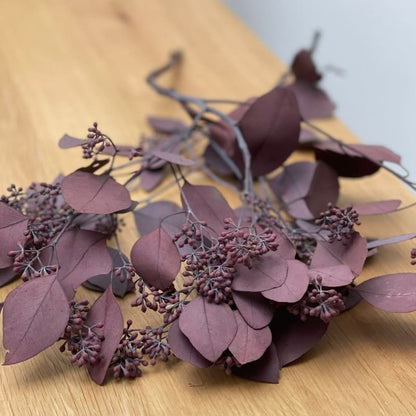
(372, 41)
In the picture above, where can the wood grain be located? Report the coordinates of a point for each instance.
(65, 64)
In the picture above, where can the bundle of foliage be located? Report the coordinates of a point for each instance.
(249, 289)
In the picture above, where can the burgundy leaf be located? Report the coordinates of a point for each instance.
(173, 158)
(268, 271)
(333, 276)
(81, 254)
(285, 247)
(35, 315)
(183, 349)
(170, 145)
(107, 312)
(207, 204)
(150, 179)
(354, 160)
(271, 128)
(209, 327)
(313, 102)
(294, 286)
(391, 292)
(7, 275)
(308, 138)
(66, 142)
(163, 214)
(266, 369)
(167, 125)
(390, 240)
(377, 207)
(249, 344)
(304, 68)
(254, 308)
(121, 285)
(156, 258)
(351, 252)
(293, 337)
(94, 194)
(12, 226)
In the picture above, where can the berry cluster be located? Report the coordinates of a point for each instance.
(413, 256)
(97, 142)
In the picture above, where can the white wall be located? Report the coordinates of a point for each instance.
(373, 41)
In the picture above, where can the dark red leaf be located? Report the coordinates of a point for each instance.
(351, 252)
(35, 315)
(304, 68)
(81, 254)
(209, 327)
(207, 204)
(293, 287)
(391, 292)
(12, 226)
(256, 310)
(7, 275)
(121, 285)
(377, 207)
(167, 125)
(249, 344)
(293, 337)
(66, 142)
(266, 369)
(333, 276)
(150, 179)
(156, 258)
(354, 160)
(313, 102)
(268, 271)
(183, 349)
(271, 128)
(390, 240)
(106, 311)
(94, 194)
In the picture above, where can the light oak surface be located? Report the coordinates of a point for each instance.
(65, 64)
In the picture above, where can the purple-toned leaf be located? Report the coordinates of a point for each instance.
(167, 125)
(308, 138)
(35, 315)
(163, 214)
(256, 310)
(7, 275)
(390, 240)
(285, 247)
(354, 160)
(150, 179)
(351, 252)
(12, 226)
(217, 163)
(249, 344)
(351, 299)
(171, 145)
(313, 102)
(266, 369)
(293, 337)
(391, 292)
(209, 327)
(294, 286)
(121, 285)
(268, 271)
(156, 258)
(94, 194)
(106, 311)
(333, 276)
(183, 349)
(173, 158)
(304, 68)
(271, 128)
(207, 204)
(377, 207)
(81, 254)
(95, 165)
(66, 142)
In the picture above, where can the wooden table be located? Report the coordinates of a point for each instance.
(66, 64)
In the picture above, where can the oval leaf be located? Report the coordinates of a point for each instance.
(35, 315)
(377, 207)
(209, 327)
(94, 194)
(156, 258)
(391, 292)
(106, 311)
(66, 142)
(173, 158)
(249, 344)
